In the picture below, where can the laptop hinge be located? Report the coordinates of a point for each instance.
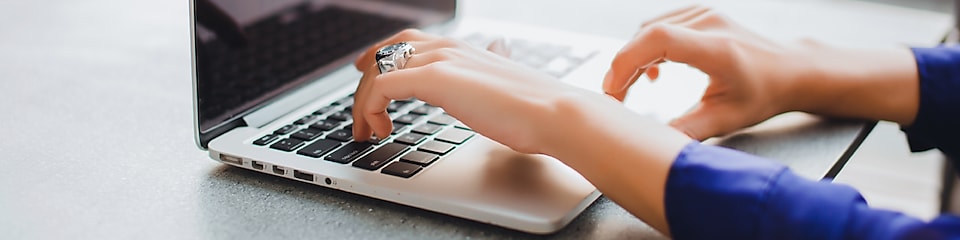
(302, 96)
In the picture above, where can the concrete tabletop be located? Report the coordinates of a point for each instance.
(97, 133)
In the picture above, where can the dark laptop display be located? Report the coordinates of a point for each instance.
(251, 51)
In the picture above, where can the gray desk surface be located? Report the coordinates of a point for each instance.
(96, 130)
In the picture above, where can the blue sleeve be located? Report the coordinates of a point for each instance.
(937, 123)
(718, 193)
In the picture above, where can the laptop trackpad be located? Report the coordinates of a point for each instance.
(491, 175)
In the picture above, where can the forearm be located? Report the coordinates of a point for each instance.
(877, 84)
(627, 156)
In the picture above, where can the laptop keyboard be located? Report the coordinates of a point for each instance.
(422, 133)
(556, 60)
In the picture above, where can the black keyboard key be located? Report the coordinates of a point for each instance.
(443, 119)
(423, 110)
(265, 139)
(319, 148)
(380, 157)
(401, 169)
(410, 138)
(419, 158)
(455, 135)
(342, 135)
(286, 129)
(287, 144)
(323, 110)
(305, 120)
(428, 129)
(436, 147)
(407, 119)
(325, 125)
(395, 106)
(397, 128)
(348, 152)
(341, 116)
(307, 134)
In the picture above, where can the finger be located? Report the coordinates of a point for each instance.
(704, 20)
(653, 72)
(361, 128)
(425, 46)
(664, 42)
(408, 35)
(622, 95)
(671, 14)
(373, 115)
(678, 18)
(435, 55)
(705, 121)
(400, 84)
(686, 16)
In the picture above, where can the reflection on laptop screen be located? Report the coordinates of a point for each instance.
(250, 51)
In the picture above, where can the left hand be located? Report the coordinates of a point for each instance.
(750, 76)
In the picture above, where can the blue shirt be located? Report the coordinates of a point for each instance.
(718, 193)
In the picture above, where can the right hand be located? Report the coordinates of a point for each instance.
(750, 76)
(495, 96)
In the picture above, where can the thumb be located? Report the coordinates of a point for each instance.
(704, 121)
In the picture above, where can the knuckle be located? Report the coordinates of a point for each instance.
(448, 54)
(454, 43)
(654, 34)
(657, 32)
(716, 16)
(437, 68)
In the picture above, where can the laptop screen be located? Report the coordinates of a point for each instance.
(248, 52)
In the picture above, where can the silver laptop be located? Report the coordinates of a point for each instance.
(273, 83)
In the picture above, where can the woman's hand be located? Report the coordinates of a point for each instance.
(495, 96)
(753, 78)
(747, 72)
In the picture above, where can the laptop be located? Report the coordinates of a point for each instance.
(273, 84)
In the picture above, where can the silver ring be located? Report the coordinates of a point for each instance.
(393, 57)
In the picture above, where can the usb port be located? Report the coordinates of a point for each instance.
(279, 170)
(231, 159)
(256, 165)
(303, 175)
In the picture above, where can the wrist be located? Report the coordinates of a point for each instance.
(627, 156)
(809, 80)
(875, 84)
